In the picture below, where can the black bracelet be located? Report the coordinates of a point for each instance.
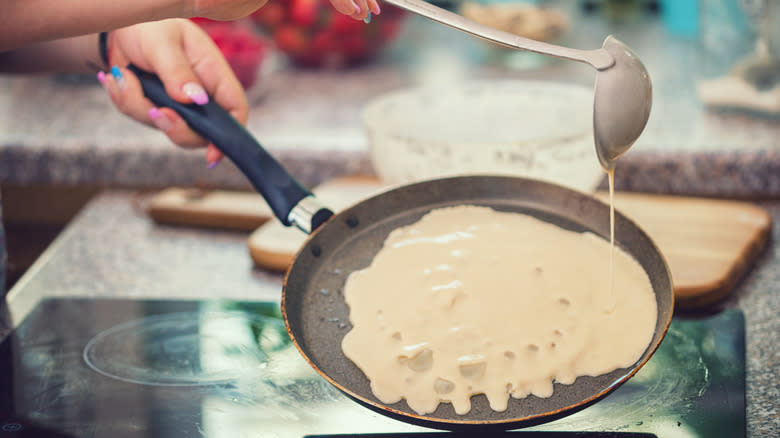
(103, 47)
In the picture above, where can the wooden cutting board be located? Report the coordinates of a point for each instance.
(274, 246)
(209, 208)
(709, 244)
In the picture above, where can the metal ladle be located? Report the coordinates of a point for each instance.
(623, 92)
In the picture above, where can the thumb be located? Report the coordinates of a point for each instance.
(346, 7)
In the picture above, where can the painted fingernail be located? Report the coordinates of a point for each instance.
(357, 7)
(367, 19)
(120, 80)
(101, 77)
(213, 157)
(159, 120)
(376, 10)
(196, 93)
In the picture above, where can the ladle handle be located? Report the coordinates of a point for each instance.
(291, 203)
(599, 58)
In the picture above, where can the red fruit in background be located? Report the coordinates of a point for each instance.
(304, 12)
(291, 39)
(270, 15)
(341, 23)
(243, 38)
(242, 47)
(356, 46)
(323, 41)
(201, 21)
(220, 33)
(312, 33)
(245, 65)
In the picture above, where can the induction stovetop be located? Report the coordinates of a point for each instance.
(147, 368)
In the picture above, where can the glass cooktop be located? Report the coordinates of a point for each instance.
(147, 368)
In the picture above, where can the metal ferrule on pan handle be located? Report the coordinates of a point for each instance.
(302, 215)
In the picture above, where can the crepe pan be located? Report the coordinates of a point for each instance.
(315, 314)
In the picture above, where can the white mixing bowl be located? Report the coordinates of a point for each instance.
(535, 129)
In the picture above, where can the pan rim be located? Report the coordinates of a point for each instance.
(505, 424)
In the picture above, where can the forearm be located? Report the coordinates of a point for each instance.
(68, 55)
(25, 22)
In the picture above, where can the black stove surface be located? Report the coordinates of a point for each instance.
(154, 368)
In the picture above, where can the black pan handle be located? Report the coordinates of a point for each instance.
(291, 203)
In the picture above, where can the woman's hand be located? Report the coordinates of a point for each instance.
(190, 66)
(357, 9)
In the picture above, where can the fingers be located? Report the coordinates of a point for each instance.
(126, 94)
(357, 9)
(215, 74)
(192, 70)
(169, 122)
(172, 125)
(346, 7)
(173, 67)
(361, 11)
(373, 6)
(213, 155)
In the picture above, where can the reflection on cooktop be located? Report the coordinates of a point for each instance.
(138, 368)
(169, 349)
(484, 434)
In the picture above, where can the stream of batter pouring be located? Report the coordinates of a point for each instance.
(611, 178)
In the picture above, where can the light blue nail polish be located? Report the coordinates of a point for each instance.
(115, 72)
(120, 80)
(367, 19)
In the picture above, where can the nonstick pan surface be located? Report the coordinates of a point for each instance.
(317, 317)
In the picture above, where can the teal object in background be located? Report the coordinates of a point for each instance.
(681, 17)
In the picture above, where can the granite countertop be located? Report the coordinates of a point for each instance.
(122, 253)
(64, 130)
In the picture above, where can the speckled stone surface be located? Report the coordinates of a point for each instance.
(112, 249)
(63, 132)
(60, 131)
(726, 174)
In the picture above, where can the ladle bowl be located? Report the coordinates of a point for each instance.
(621, 105)
(623, 92)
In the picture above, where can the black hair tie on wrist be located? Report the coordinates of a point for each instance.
(103, 47)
